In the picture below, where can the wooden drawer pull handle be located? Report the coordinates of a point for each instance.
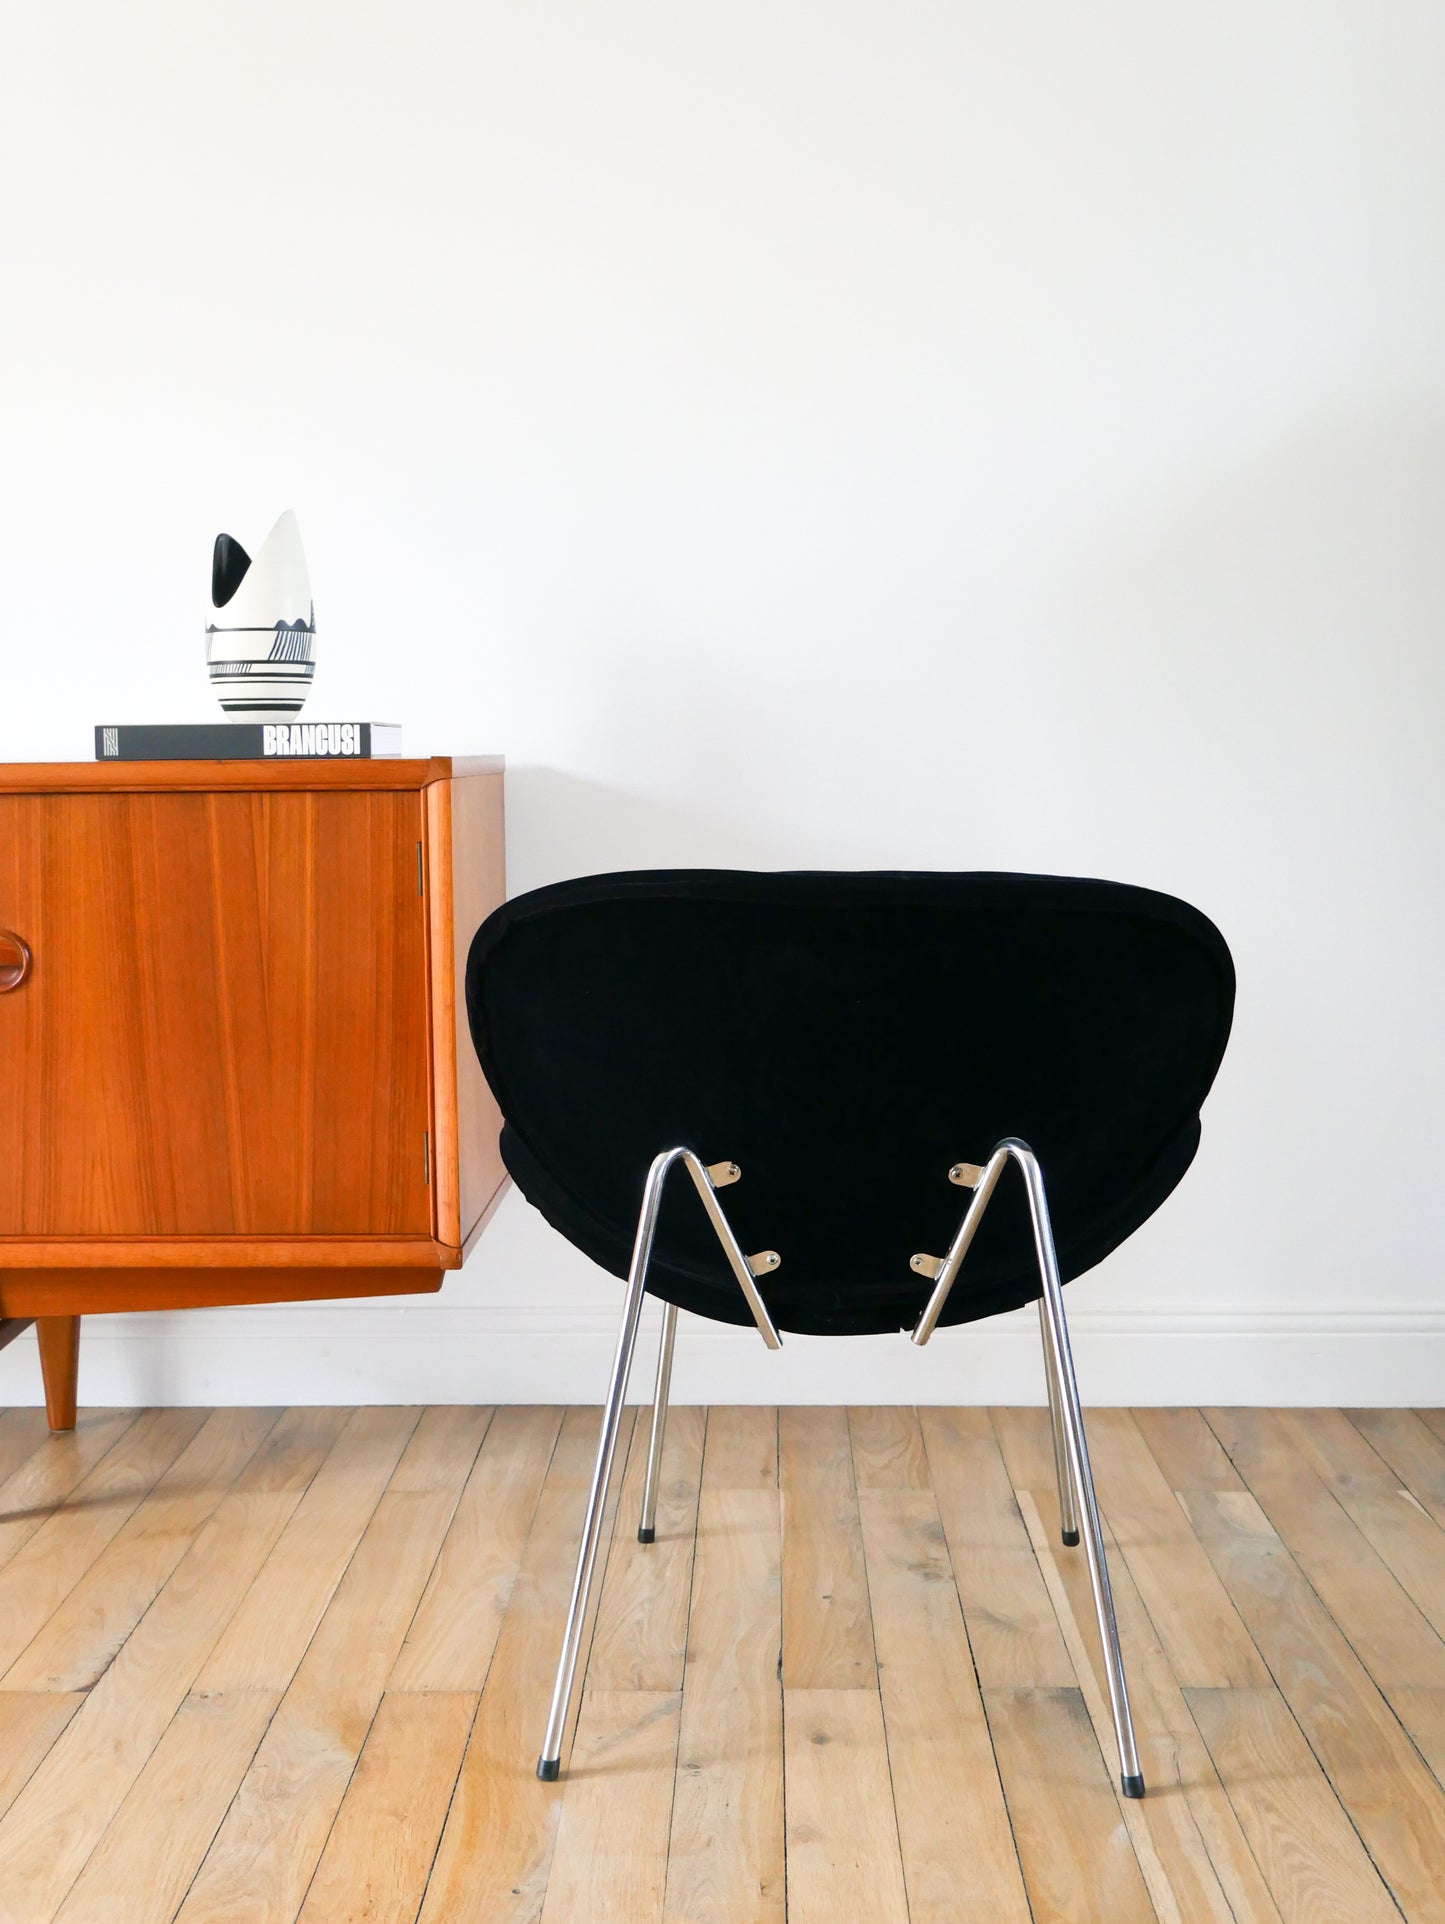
(14, 960)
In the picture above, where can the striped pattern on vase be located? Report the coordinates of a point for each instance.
(261, 638)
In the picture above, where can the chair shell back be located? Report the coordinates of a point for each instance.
(846, 1038)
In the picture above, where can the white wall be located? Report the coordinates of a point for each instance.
(942, 435)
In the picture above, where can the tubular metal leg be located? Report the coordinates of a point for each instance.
(550, 1762)
(1068, 1514)
(647, 1529)
(1131, 1778)
(1076, 1479)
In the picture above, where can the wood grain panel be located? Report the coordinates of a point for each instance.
(163, 1828)
(452, 1637)
(269, 1634)
(1187, 1451)
(54, 1824)
(224, 1031)
(610, 1865)
(479, 885)
(952, 1823)
(22, 1433)
(38, 1578)
(380, 1851)
(1399, 1527)
(47, 1476)
(827, 1630)
(641, 1631)
(843, 1858)
(1011, 1624)
(1077, 1855)
(443, 997)
(725, 1859)
(48, 1253)
(209, 1767)
(888, 1452)
(239, 1070)
(1422, 1712)
(103, 1291)
(1393, 1801)
(501, 1816)
(1195, 1861)
(1317, 1868)
(1412, 1450)
(166, 1824)
(1356, 1587)
(466, 880)
(123, 778)
(742, 1448)
(1197, 1621)
(263, 1857)
(81, 1637)
(30, 1722)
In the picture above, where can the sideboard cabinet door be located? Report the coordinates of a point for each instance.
(223, 1029)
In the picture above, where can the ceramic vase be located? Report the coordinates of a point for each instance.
(261, 637)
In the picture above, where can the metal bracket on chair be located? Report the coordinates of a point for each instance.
(967, 1175)
(942, 1270)
(982, 1179)
(706, 1179)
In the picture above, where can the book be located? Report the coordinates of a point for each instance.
(248, 742)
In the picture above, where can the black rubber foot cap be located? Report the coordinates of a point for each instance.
(1071, 1538)
(647, 1536)
(549, 1767)
(1133, 1786)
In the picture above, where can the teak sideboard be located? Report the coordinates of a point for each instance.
(234, 1059)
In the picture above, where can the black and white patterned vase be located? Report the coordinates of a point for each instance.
(261, 637)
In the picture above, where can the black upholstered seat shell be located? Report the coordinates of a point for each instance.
(845, 1038)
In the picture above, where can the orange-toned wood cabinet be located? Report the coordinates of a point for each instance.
(234, 1060)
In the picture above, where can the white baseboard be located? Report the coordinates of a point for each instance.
(440, 1353)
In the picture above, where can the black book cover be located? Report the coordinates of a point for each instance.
(248, 742)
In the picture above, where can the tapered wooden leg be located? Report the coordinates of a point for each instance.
(59, 1365)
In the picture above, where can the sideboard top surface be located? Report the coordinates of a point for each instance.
(384, 772)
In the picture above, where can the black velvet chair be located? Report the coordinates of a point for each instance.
(840, 1042)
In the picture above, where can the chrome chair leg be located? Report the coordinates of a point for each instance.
(1064, 1397)
(1068, 1514)
(549, 1764)
(1081, 1475)
(745, 1268)
(647, 1528)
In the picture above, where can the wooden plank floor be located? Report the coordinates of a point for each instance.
(269, 1665)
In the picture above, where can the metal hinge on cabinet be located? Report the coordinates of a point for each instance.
(420, 889)
(426, 1156)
